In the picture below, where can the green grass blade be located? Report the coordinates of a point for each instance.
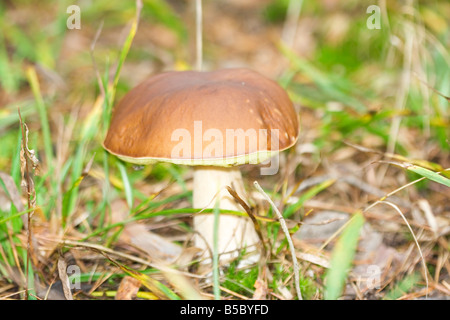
(168, 212)
(216, 285)
(15, 167)
(30, 280)
(289, 211)
(156, 287)
(431, 175)
(105, 204)
(323, 80)
(15, 215)
(34, 83)
(126, 184)
(9, 79)
(123, 54)
(402, 287)
(162, 12)
(342, 258)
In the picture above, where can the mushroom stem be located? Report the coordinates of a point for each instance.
(235, 233)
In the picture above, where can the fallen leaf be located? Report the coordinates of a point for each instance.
(261, 290)
(128, 288)
(62, 271)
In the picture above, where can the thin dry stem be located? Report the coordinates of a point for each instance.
(288, 238)
(199, 35)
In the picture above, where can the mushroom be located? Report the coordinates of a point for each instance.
(214, 121)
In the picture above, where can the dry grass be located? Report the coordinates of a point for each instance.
(368, 99)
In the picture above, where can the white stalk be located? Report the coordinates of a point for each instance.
(235, 232)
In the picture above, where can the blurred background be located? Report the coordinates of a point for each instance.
(371, 88)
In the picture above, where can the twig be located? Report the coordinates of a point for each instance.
(291, 23)
(400, 101)
(252, 217)
(91, 52)
(30, 202)
(234, 293)
(199, 35)
(414, 236)
(103, 249)
(5, 297)
(288, 238)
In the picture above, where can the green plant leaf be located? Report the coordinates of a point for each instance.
(342, 257)
(429, 174)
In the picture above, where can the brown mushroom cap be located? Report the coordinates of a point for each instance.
(231, 104)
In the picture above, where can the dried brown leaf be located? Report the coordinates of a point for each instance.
(261, 290)
(13, 194)
(128, 288)
(62, 271)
